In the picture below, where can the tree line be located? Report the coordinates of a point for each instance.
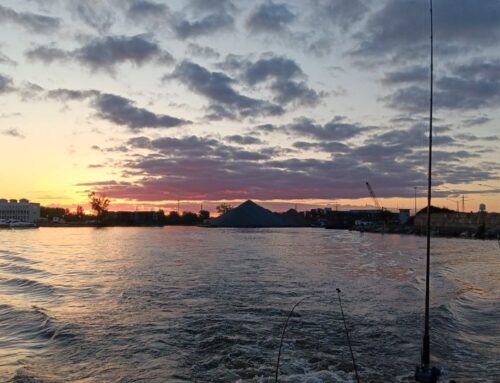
(100, 205)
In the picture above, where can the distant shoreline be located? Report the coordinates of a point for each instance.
(365, 230)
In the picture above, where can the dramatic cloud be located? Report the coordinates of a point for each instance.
(225, 101)
(464, 87)
(413, 137)
(279, 68)
(270, 17)
(335, 130)
(399, 25)
(282, 75)
(47, 54)
(263, 81)
(291, 91)
(119, 110)
(122, 111)
(30, 21)
(105, 53)
(195, 167)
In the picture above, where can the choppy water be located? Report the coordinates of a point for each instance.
(208, 305)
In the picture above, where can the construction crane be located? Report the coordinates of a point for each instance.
(374, 197)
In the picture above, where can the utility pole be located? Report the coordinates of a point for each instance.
(178, 206)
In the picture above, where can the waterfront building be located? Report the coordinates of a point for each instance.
(24, 210)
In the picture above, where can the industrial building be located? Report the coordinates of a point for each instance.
(480, 224)
(24, 210)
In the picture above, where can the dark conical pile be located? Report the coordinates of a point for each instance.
(249, 214)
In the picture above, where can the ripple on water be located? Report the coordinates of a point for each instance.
(28, 287)
(186, 304)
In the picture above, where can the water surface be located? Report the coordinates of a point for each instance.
(191, 304)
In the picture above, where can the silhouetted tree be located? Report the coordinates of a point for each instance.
(223, 208)
(99, 203)
(173, 218)
(203, 215)
(189, 218)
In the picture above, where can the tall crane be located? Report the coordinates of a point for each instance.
(374, 197)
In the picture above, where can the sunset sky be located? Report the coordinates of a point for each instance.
(290, 102)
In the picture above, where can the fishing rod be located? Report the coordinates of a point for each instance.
(276, 375)
(424, 372)
(282, 337)
(348, 338)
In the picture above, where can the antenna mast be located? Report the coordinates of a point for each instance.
(424, 373)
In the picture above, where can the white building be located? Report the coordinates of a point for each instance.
(24, 210)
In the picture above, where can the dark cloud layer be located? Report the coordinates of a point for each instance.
(31, 21)
(225, 101)
(122, 111)
(142, 10)
(270, 17)
(47, 54)
(285, 157)
(464, 87)
(106, 52)
(335, 130)
(243, 140)
(400, 24)
(282, 76)
(216, 22)
(193, 167)
(119, 110)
